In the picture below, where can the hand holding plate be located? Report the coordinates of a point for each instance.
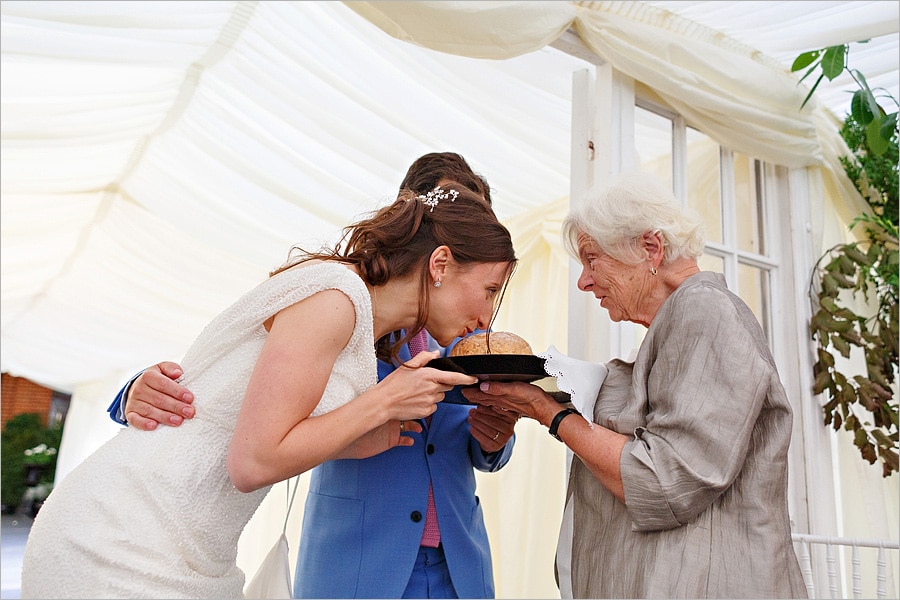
(521, 398)
(413, 390)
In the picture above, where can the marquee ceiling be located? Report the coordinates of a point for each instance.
(783, 30)
(158, 158)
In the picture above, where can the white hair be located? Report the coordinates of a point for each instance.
(637, 203)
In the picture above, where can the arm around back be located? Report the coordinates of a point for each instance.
(154, 397)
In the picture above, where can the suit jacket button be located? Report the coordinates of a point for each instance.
(430, 449)
(416, 516)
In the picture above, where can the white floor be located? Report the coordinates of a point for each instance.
(13, 533)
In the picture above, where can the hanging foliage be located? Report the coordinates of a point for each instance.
(866, 270)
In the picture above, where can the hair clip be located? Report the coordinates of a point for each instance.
(436, 195)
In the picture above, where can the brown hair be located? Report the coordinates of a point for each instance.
(398, 240)
(429, 170)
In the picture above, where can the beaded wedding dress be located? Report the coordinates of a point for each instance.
(154, 514)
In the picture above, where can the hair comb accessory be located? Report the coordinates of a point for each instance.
(436, 195)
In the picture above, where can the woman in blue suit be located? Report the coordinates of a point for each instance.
(364, 519)
(368, 526)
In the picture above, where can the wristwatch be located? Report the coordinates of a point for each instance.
(554, 424)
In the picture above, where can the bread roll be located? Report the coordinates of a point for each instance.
(502, 342)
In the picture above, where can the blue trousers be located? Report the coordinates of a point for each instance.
(431, 576)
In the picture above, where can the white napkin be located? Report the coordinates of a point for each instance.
(579, 378)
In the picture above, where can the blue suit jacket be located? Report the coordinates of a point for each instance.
(364, 519)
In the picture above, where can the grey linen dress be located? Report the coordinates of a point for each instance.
(705, 470)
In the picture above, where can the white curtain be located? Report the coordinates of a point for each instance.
(83, 432)
(731, 92)
(523, 502)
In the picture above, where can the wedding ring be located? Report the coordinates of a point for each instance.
(496, 435)
(402, 425)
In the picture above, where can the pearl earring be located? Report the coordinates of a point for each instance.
(437, 283)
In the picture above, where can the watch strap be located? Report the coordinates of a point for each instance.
(554, 424)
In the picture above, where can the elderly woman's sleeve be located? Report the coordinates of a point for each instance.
(706, 377)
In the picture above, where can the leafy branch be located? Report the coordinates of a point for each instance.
(880, 125)
(863, 405)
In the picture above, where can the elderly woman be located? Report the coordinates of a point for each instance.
(678, 489)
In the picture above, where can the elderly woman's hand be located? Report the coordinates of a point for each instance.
(525, 399)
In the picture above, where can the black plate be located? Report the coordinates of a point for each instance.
(495, 367)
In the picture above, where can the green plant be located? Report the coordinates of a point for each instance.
(25, 432)
(863, 405)
(880, 126)
(40, 455)
(875, 175)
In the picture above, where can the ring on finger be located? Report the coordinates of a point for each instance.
(496, 435)
(402, 425)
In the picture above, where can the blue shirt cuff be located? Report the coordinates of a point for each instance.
(116, 410)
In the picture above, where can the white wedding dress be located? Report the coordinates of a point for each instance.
(154, 514)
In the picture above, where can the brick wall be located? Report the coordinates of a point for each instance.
(20, 395)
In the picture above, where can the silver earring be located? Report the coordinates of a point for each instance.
(437, 283)
(653, 270)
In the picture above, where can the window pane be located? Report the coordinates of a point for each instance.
(710, 262)
(653, 143)
(753, 288)
(704, 182)
(748, 204)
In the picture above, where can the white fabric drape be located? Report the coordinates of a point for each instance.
(494, 30)
(523, 502)
(739, 97)
(87, 402)
(163, 157)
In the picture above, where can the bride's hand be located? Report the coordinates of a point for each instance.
(413, 390)
(385, 437)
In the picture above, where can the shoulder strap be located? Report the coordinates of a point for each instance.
(290, 499)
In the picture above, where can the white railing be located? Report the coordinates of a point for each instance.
(835, 549)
